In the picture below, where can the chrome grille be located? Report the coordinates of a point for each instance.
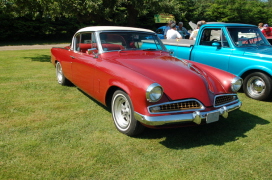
(220, 100)
(180, 106)
(176, 106)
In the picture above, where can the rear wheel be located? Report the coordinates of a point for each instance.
(258, 86)
(60, 76)
(122, 113)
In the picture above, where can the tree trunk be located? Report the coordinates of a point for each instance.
(132, 15)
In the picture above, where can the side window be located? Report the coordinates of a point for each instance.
(209, 36)
(76, 42)
(85, 41)
(86, 38)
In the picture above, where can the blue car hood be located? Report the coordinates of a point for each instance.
(264, 52)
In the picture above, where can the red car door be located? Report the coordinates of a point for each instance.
(83, 70)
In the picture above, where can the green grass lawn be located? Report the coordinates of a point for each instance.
(35, 42)
(48, 131)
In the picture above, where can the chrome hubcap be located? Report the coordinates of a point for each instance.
(256, 86)
(59, 73)
(122, 112)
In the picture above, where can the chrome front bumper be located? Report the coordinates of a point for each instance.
(195, 117)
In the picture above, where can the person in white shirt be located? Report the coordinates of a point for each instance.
(167, 28)
(173, 33)
(194, 33)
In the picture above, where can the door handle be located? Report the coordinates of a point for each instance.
(72, 57)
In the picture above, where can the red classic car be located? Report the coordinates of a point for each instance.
(130, 70)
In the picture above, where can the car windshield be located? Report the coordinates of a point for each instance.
(243, 37)
(112, 41)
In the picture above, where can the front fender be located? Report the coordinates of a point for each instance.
(255, 68)
(136, 91)
(239, 65)
(110, 76)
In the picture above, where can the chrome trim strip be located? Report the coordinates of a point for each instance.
(189, 117)
(173, 102)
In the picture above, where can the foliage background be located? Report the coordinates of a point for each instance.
(59, 19)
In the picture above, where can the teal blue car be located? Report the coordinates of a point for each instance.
(160, 32)
(240, 49)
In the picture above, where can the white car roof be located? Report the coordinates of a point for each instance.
(114, 28)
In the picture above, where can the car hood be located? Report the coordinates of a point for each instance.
(178, 80)
(263, 52)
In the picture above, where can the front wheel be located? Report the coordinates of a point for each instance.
(258, 86)
(122, 113)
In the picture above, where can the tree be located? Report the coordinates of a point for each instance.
(237, 11)
(103, 12)
(58, 16)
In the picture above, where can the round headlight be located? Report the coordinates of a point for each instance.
(154, 92)
(236, 84)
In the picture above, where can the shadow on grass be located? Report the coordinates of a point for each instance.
(218, 133)
(225, 130)
(94, 100)
(41, 58)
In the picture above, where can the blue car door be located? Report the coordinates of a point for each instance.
(213, 49)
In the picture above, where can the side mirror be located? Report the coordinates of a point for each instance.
(91, 51)
(171, 51)
(217, 44)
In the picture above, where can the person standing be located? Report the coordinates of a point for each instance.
(167, 28)
(267, 31)
(182, 30)
(173, 33)
(260, 26)
(194, 33)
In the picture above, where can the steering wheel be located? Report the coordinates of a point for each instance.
(215, 40)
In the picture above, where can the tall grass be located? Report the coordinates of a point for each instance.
(48, 131)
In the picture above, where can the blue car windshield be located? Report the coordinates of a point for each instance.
(122, 40)
(247, 36)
